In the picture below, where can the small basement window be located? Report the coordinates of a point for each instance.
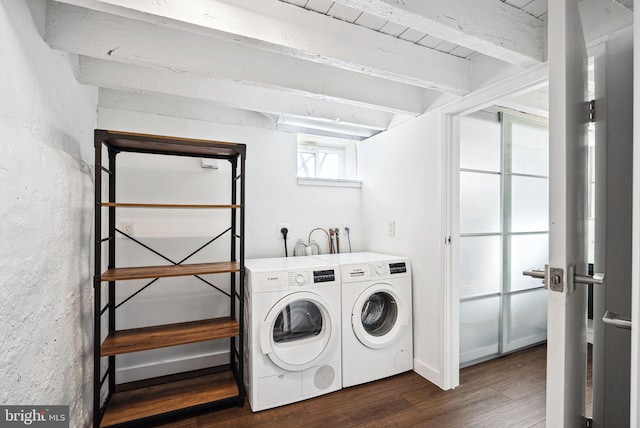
(326, 161)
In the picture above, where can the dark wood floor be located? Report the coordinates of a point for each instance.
(505, 392)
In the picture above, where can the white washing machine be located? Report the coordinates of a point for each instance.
(377, 322)
(292, 336)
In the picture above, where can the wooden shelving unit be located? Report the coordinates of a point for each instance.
(160, 336)
(175, 206)
(120, 405)
(142, 404)
(121, 274)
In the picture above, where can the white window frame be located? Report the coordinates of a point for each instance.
(346, 151)
(317, 150)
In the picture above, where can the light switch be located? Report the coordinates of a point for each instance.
(391, 227)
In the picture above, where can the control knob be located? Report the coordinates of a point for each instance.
(300, 279)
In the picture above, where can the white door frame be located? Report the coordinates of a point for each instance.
(529, 80)
(526, 81)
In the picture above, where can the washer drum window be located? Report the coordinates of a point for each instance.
(379, 314)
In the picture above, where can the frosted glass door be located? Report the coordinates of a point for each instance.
(504, 224)
(480, 236)
(525, 231)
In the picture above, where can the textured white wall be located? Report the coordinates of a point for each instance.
(46, 123)
(272, 196)
(401, 171)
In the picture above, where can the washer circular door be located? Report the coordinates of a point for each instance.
(378, 316)
(298, 331)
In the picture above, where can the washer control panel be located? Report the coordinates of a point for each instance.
(396, 268)
(302, 278)
(358, 272)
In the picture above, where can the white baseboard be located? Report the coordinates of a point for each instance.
(163, 368)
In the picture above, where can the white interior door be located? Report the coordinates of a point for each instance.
(613, 69)
(568, 118)
(635, 271)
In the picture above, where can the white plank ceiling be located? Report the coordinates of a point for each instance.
(353, 67)
(338, 10)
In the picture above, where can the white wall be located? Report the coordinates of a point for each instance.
(272, 196)
(46, 123)
(401, 172)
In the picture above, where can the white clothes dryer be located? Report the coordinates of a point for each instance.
(292, 335)
(377, 322)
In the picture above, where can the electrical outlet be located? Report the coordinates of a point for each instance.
(129, 227)
(280, 226)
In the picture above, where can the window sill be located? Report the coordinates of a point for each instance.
(304, 181)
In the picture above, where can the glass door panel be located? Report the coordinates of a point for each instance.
(479, 202)
(480, 142)
(526, 252)
(529, 204)
(480, 265)
(525, 319)
(528, 152)
(479, 328)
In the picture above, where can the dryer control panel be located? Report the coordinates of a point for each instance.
(260, 282)
(327, 275)
(308, 277)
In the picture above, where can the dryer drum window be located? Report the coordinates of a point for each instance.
(298, 320)
(379, 314)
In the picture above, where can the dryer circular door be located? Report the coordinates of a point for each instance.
(298, 331)
(378, 316)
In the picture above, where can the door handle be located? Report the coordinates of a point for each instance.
(535, 273)
(596, 278)
(553, 277)
(611, 318)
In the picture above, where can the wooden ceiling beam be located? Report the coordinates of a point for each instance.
(292, 31)
(129, 77)
(102, 35)
(189, 108)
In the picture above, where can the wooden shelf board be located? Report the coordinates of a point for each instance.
(162, 336)
(156, 400)
(120, 274)
(158, 144)
(178, 206)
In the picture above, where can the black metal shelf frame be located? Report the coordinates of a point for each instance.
(236, 231)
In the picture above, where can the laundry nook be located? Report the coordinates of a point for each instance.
(350, 213)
